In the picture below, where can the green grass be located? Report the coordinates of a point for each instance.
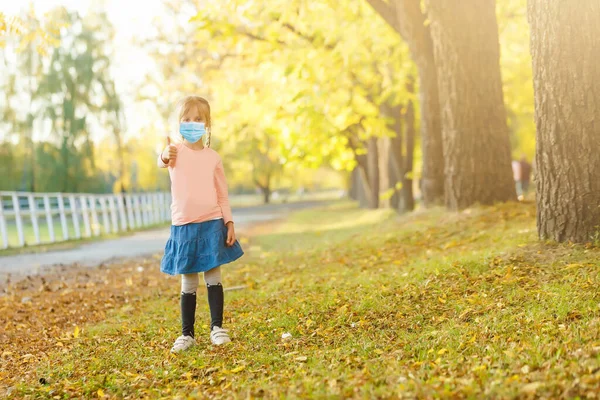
(433, 304)
(44, 231)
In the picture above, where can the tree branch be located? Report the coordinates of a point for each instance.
(309, 38)
(251, 35)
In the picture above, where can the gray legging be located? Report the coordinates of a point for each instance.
(190, 282)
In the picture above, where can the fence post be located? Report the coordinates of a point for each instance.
(113, 213)
(144, 209)
(63, 217)
(161, 207)
(121, 207)
(95, 220)
(151, 209)
(34, 221)
(150, 200)
(138, 213)
(49, 219)
(151, 214)
(159, 201)
(3, 230)
(130, 211)
(75, 217)
(167, 203)
(18, 219)
(86, 216)
(105, 220)
(156, 207)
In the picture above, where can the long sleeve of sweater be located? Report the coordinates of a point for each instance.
(222, 192)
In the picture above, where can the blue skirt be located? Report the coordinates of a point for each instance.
(198, 247)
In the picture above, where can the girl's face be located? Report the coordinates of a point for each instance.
(193, 115)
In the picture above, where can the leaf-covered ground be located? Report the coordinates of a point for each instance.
(466, 305)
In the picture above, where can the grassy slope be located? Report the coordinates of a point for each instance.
(428, 305)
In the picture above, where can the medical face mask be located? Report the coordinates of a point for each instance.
(192, 131)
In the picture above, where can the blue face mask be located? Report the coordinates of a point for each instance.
(192, 131)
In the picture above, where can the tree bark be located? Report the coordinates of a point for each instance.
(407, 199)
(367, 166)
(373, 172)
(266, 194)
(395, 199)
(396, 158)
(407, 18)
(353, 190)
(366, 200)
(475, 133)
(362, 190)
(401, 152)
(565, 43)
(386, 181)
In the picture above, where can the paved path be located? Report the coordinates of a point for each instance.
(137, 245)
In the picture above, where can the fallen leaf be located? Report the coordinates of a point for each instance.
(531, 388)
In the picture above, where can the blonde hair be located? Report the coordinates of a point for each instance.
(203, 108)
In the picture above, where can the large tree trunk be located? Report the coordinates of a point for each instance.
(373, 172)
(396, 157)
(362, 190)
(407, 18)
(386, 181)
(431, 131)
(266, 194)
(565, 43)
(402, 154)
(354, 182)
(407, 200)
(394, 179)
(476, 142)
(367, 166)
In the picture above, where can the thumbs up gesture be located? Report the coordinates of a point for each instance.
(169, 154)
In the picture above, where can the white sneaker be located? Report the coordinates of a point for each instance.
(182, 343)
(219, 336)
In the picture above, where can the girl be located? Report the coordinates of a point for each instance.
(202, 234)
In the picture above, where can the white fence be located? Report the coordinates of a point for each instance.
(33, 218)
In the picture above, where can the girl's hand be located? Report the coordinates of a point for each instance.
(169, 154)
(230, 234)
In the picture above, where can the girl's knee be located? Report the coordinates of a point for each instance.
(213, 276)
(189, 283)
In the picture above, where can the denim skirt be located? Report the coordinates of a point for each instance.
(198, 247)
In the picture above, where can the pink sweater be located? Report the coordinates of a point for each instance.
(198, 186)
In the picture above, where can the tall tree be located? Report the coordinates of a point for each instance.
(475, 133)
(313, 71)
(27, 40)
(408, 19)
(565, 43)
(73, 90)
(407, 200)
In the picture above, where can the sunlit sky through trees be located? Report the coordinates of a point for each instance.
(131, 21)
